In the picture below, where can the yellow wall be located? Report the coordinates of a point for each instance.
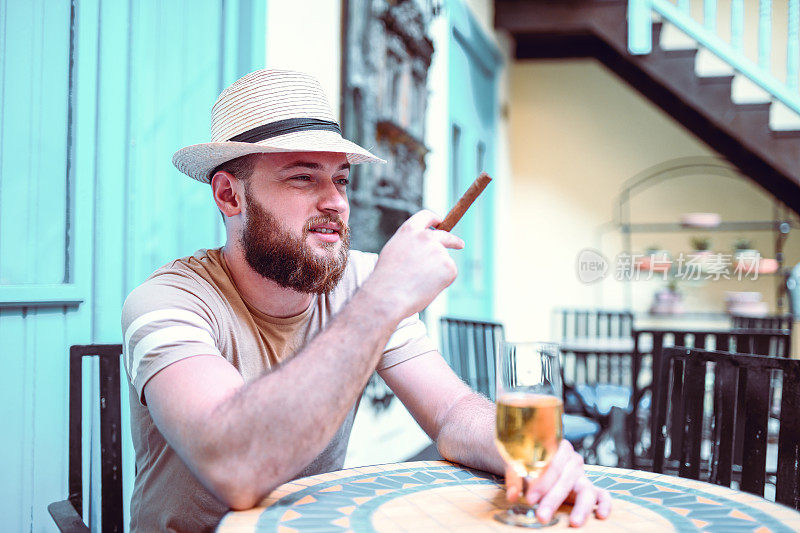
(576, 134)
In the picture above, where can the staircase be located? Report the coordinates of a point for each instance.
(739, 120)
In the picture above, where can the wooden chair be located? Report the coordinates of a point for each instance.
(67, 514)
(594, 323)
(649, 346)
(762, 322)
(772, 322)
(742, 389)
(470, 347)
(597, 368)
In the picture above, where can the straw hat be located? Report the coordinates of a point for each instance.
(268, 111)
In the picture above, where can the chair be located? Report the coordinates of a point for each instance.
(470, 347)
(594, 323)
(649, 346)
(762, 322)
(67, 514)
(742, 384)
(773, 322)
(597, 368)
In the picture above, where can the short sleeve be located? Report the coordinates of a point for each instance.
(409, 340)
(163, 322)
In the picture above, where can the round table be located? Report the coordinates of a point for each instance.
(442, 496)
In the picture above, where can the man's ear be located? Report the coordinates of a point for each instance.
(226, 189)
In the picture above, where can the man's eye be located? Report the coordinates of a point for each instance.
(343, 181)
(302, 178)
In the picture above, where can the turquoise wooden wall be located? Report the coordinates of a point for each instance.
(473, 65)
(95, 96)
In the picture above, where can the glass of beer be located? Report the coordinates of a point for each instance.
(529, 408)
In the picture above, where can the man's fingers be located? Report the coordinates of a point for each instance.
(542, 484)
(422, 220)
(603, 504)
(513, 485)
(585, 498)
(449, 240)
(556, 495)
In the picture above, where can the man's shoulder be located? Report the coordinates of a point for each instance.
(181, 284)
(191, 265)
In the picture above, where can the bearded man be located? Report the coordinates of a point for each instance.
(246, 363)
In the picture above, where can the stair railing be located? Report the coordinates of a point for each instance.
(640, 39)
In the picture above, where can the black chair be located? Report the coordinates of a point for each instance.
(771, 322)
(649, 347)
(762, 322)
(597, 367)
(738, 412)
(470, 347)
(594, 323)
(67, 514)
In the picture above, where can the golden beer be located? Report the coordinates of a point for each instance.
(528, 430)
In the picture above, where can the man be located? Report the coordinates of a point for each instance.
(247, 363)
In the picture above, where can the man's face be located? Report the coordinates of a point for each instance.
(295, 230)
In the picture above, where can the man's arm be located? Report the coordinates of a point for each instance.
(461, 422)
(438, 400)
(241, 441)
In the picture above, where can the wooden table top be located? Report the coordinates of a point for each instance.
(441, 496)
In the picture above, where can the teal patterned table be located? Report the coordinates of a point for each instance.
(441, 496)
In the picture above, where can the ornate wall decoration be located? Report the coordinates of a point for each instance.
(387, 54)
(386, 57)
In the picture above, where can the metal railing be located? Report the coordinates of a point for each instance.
(640, 39)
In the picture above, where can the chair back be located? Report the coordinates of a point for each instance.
(742, 389)
(773, 322)
(649, 346)
(762, 322)
(594, 323)
(110, 432)
(469, 347)
(597, 346)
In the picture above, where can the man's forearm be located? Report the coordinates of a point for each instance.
(272, 428)
(467, 434)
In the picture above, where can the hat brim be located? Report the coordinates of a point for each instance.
(199, 160)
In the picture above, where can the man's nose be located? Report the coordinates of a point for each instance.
(332, 198)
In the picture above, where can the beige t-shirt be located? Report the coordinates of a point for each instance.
(192, 307)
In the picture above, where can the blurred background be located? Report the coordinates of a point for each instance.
(689, 148)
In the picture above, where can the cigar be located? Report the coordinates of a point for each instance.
(464, 202)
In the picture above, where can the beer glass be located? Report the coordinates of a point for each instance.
(529, 408)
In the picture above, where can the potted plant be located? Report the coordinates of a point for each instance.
(743, 248)
(744, 255)
(701, 245)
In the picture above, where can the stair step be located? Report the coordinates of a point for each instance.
(674, 39)
(745, 91)
(751, 118)
(708, 64)
(782, 118)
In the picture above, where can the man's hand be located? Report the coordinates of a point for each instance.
(563, 480)
(414, 266)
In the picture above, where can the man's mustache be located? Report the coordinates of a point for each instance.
(320, 220)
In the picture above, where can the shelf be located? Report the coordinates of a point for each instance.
(665, 227)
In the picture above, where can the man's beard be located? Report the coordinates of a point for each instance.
(289, 261)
